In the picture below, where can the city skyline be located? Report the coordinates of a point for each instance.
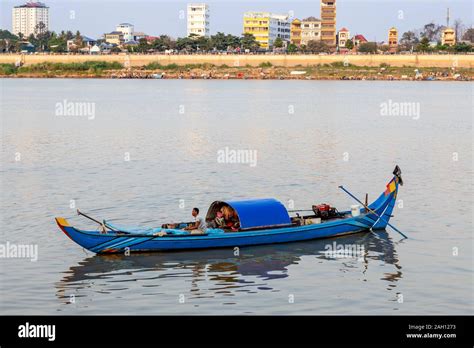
(155, 17)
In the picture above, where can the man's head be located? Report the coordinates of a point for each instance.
(195, 212)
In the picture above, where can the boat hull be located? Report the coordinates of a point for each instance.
(111, 244)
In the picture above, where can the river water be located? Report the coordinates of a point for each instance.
(144, 152)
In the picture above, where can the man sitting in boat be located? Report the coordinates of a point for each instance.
(199, 224)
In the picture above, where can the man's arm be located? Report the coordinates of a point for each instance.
(193, 226)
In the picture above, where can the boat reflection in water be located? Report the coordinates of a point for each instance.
(249, 269)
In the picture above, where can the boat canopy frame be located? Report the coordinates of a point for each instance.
(254, 213)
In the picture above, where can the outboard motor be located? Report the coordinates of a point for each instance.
(324, 211)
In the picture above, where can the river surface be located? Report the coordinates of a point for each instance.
(144, 152)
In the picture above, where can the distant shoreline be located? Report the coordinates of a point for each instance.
(72, 76)
(335, 71)
(243, 60)
(444, 68)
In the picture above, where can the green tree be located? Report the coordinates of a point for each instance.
(78, 40)
(349, 44)
(184, 43)
(431, 31)
(463, 47)
(42, 36)
(69, 35)
(203, 43)
(408, 41)
(164, 42)
(190, 43)
(248, 42)
(233, 41)
(292, 48)
(32, 39)
(368, 47)
(5, 34)
(143, 46)
(222, 42)
(278, 43)
(219, 41)
(424, 45)
(458, 27)
(314, 46)
(8, 41)
(469, 35)
(384, 48)
(57, 44)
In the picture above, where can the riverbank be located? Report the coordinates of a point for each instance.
(156, 70)
(283, 60)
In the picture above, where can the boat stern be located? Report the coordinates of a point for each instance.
(385, 203)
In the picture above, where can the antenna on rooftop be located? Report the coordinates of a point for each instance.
(447, 19)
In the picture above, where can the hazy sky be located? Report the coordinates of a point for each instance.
(372, 18)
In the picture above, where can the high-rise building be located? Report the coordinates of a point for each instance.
(127, 30)
(328, 22)
(267, 27)
(27, 17)
(393, 40)
(310, 30)
(198, 20)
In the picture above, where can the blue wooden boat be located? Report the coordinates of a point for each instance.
(262, 221)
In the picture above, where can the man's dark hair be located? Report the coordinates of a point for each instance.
(196, 209)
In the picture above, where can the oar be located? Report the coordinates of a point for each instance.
(372, 211)
(103, 224)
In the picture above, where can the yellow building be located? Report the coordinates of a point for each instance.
(328, 22)
(295, 34)
(448, 37)
(267, 27)
(115, 37)
(393, 39)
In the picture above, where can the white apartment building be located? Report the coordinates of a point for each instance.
(198, 20)
(127, 30)
(26, 17)
(280, 26)
(342, 37)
